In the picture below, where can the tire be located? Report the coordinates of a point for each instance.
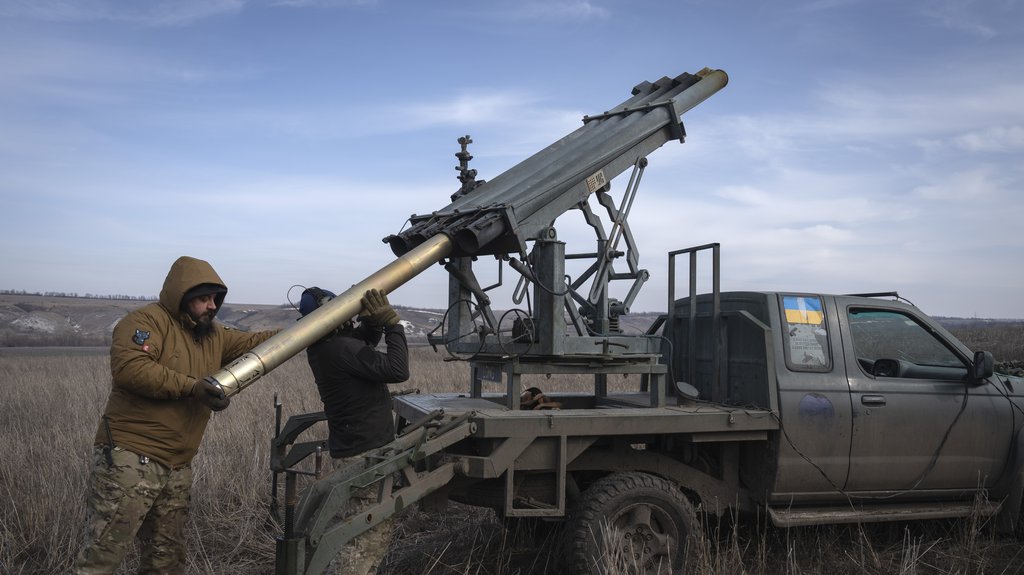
(602, 537)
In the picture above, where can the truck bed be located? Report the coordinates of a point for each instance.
(589, 415)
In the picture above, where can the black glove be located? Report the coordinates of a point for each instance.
(210, 394)
(377, 310)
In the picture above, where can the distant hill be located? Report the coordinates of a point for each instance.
(47, 320)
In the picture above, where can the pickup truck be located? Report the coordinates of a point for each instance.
(820, 409)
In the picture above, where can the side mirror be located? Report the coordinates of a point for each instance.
(983, 367)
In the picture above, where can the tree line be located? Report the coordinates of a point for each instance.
(122, 297)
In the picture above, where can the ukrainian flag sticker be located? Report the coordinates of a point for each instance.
(802, 309)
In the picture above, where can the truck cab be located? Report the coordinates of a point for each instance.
(877, 403)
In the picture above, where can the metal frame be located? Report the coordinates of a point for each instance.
(718, 393)
(313, 532)
(594, 345)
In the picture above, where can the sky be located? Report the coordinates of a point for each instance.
(860, 145)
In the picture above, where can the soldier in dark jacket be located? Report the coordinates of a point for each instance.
(155, 418)
(352, 377)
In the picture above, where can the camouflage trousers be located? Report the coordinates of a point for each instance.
(135, 497)
(364, 554)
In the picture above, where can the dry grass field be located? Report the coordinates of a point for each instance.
(53, 397)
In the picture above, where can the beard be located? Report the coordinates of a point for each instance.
(204, 324)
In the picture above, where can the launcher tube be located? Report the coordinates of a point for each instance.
(565, 152)
(591, 144)
(618, 147)
(242, 372)
(539, 189)
(537, 179)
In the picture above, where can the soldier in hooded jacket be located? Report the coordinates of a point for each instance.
(154, 420)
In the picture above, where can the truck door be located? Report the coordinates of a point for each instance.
(919, 427)
(814, 402)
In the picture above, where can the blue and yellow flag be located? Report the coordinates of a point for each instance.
(802, 309)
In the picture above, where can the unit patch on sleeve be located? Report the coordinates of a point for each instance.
(140, 336)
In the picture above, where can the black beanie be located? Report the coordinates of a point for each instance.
(203, 289)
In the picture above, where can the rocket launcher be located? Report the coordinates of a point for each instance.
(501, 215)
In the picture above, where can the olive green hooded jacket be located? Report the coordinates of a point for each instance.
(155, 358)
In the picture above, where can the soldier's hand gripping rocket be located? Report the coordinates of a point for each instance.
(210, 394)
(377, 310)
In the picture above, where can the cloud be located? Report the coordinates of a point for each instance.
(746, 195)
(470, 108)
(920, 101)
(966, 16)
(149, 13)
(889, 121)
(155, 13)
(1004, 139)
(182, 12)
(562, 10)
(74, 73)
(825, 5)
(480, 108)
(968, 186)
(320, 3)
(507, 123)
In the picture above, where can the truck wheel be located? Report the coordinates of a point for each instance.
(632, 523)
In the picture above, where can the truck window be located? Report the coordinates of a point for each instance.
(890, 343)
(806, 335)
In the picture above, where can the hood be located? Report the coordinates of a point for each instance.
(186, 273)
(1013, 381)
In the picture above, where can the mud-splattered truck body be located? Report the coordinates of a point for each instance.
(819, 409)
(827, 409)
